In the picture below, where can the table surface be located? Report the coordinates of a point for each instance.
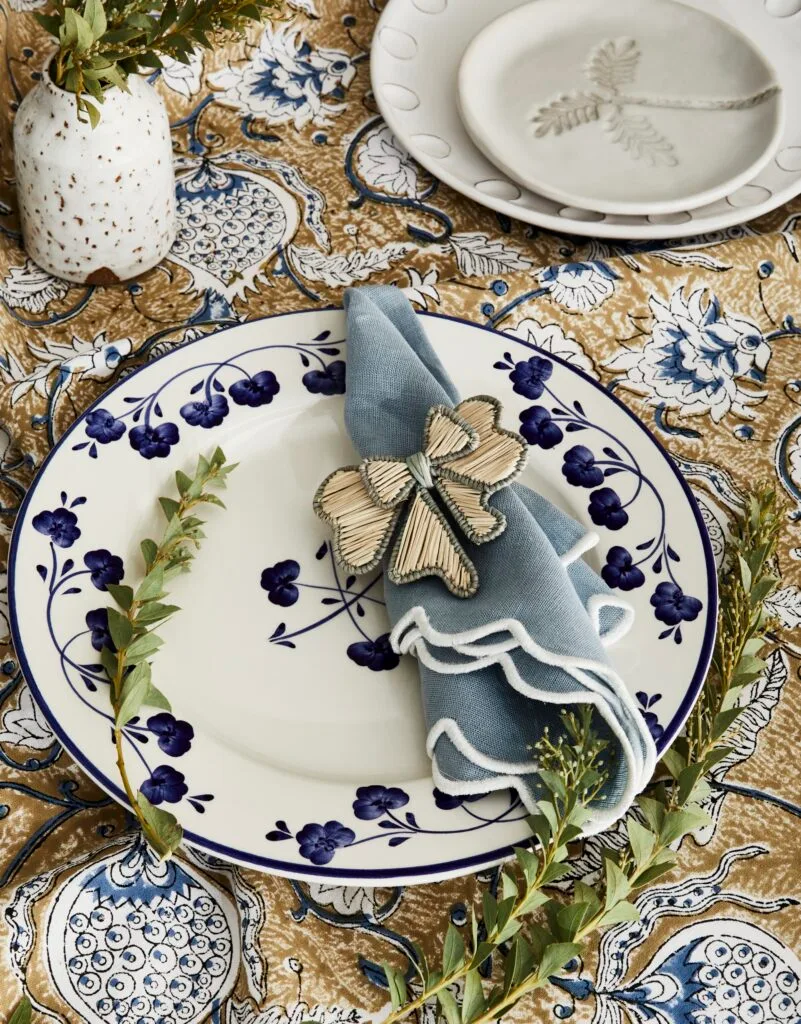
(700, 342)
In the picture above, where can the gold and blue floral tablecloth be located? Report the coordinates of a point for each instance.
(291, 188)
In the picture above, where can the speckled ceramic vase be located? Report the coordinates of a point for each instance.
(97, 205)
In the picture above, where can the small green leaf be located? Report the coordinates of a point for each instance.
(149, 551)
(679, 823)
(508, 885)
(142, 647)
(745, 573)
(134, 691)
(95, 18)
(518, 964)
(570, 918)
(724, 720)
(651, 874)
(182, 482)
(554, 871)
(170, 507)
(490, 910)
(22, 1014)
(120, 628)
(585, 894)
(156, 699)
(554, 782)
(122, 595)
(151, 586)
(654, 811)
(154, 611)
(108, 659)
(539, 825)
(534, 899)
(49, 22)
(449, 1006)
(623, 911)
(397, 985)
(420, 964)
(674, 762)
(641, 840)
(549, 811)
(529, 863)
(453, 951)
(617, 884)
(688, 779)
(473, 1002)
(163, 824)
(92, 112)
(555, 956)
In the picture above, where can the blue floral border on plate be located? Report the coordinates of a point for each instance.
(302, 870)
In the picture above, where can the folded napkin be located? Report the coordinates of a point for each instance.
(497, 668)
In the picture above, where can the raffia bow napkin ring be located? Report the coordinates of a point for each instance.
(465, 457)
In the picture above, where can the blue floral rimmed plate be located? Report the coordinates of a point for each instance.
(296, 742)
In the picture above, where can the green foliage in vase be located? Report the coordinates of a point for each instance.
(132, 625)
(101, 42)
(529, 933)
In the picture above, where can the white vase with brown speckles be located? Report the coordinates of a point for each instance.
(96, 205)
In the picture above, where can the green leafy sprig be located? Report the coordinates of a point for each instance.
(133, 623)
(101, 43)
(531, 935)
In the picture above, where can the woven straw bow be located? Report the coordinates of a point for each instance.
(466, 457)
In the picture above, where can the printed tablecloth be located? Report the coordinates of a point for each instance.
(701, 342)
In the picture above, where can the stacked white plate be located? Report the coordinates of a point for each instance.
(631, 119)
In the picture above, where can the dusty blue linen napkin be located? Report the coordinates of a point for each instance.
(496, 669)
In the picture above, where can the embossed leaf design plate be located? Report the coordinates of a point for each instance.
(636, 107)
(414, 63)
(296, 740)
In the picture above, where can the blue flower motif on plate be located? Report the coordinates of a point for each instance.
(206, 414)
(100, 635)
(328, 381)
(606, 509)
(165, 785)
(104, 568)
(538, 428)
(154, 442)
(61, 526)
(672, 605)
(102, 426)
(377, 655)
(651, 717)
(278, 581)
(579, 468)
(260, 389)
(174, 735)
(373, 801)
(620, 571)
(530, 376)
(319, 843)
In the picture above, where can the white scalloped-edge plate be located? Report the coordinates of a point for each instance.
(296, 742)
(415, 57)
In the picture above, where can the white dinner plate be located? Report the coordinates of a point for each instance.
(637, 107)
(296, 743)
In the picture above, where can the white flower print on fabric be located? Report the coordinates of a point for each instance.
(30, 288)
(579, 287)
(286, 81)
(422, 287)
(183, 78)
(94, 360)
(478, 255)
(697, 358)
(386, 167)
(551, 338)
(25, 725)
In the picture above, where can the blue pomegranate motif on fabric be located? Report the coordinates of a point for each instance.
(720, 971)
(132, 938)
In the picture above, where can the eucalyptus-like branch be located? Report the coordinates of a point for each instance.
(132, 628)
(532, 934)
